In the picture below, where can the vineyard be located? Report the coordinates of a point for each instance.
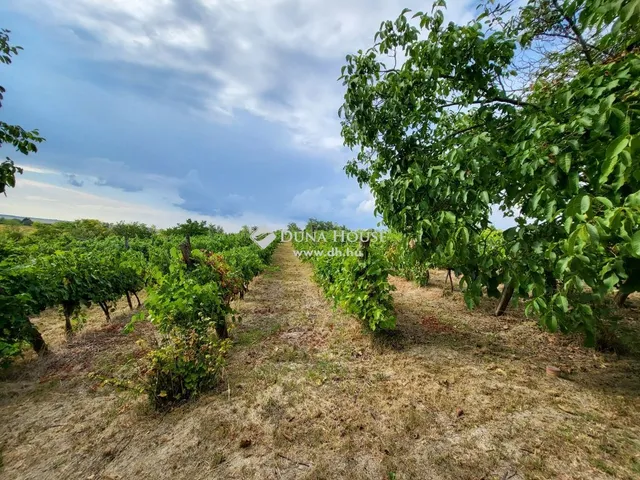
(190, 283)
(222, 372)
(433, 346)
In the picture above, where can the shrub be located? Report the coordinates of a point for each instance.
(184, 367)
(358, 283)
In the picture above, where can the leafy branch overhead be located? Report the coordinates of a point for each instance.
(24, 141)
(534, 112)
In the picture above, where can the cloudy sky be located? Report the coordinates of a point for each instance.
(160, 110)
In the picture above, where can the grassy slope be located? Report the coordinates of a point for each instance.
(453, 394)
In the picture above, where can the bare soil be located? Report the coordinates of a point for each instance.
(453, 394)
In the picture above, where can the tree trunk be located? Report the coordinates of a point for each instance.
(551, 282)
(129, 301)
(621, 298)
(626, 288)
(105, 309)
(136, 295)
(37, 342)
(450, 277)
(67, 308)
(505, 298)
(221, 330)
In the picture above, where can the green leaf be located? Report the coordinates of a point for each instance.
(585, 122)
(565, 162)
(550, 211)
(611, 281)
(563, 303)
(615, 147)
(605, 201)
(635, 244)
(633, 200)
(465, 235)
(607, 167)
(450, 217)
(567, 224)
(585, 204)
(535, 200)
(574, 182)
(627, 12)
(469, 301)
(565, 98)
(584, 259)
(593, 233)
(563, 264)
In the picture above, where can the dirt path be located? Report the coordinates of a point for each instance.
(308, 394)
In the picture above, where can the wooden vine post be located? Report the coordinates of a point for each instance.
(185, 248)
(364, 245)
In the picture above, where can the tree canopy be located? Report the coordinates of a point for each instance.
(193, 228)
(534, 112)
(313, 224)
(24, 141)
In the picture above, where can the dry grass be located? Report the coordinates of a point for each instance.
(307, 394)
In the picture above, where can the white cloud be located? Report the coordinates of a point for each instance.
(241, 51)
(311, 202)
(367, 206)
(34, 198)
(29, 168)
(339, 202)
(103, 172)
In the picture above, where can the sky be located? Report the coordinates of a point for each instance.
(163, 110)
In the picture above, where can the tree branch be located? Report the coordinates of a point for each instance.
(567, 37)
(461, 131)
(510, 101)
(513, 101)
(576, 30)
